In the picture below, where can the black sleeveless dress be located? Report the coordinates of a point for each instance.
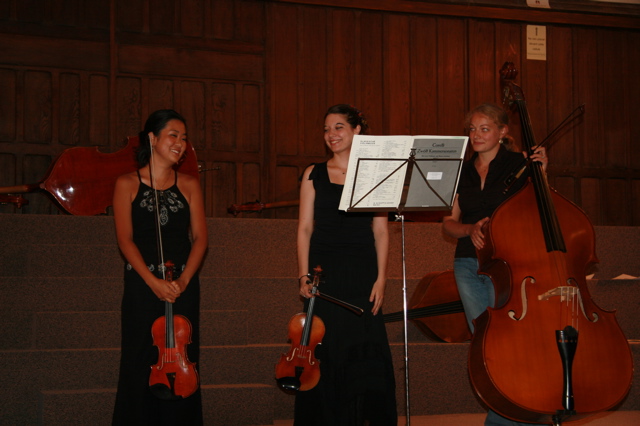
(357, 379)
(135, 405)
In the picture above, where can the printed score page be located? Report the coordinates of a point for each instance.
(379, 157)
(378, 166)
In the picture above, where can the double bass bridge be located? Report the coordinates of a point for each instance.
(569, 295)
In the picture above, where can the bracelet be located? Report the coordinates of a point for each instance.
(305, 275)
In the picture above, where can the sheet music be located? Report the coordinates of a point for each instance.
(379, 163)
(370, 173)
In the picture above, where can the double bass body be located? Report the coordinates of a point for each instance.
(520, 373)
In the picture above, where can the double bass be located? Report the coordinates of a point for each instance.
(81, 179)
(546, 352)
(436, 310)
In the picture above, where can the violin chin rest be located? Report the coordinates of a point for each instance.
(289, 384)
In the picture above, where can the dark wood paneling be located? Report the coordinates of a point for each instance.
(96, 108)
(38, 107)
(223, 107)
(69, 109)
(315, 52)
(482, 63)
(156, 60)
(8, 102)
(397, 75)
(614, 113)
(254, 78)
(452, 75)
(591, 150)
(560, 76)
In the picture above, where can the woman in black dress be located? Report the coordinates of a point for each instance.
(181, 213)
(357, 384)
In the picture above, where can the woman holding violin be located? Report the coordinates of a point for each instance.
(481, 190)
(157, 196)
(357, 384)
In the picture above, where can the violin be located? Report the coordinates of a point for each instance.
(81, 180)
(298, 369)
(436, 309)
(173, 376)
(546, 352)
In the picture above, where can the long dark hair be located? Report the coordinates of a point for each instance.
(155, 123)
(354, 116)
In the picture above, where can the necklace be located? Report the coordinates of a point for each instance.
(164, 184)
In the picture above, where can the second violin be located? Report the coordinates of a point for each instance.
(298, 369)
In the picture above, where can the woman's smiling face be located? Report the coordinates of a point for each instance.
(338, 133)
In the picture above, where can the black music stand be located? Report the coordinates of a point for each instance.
(416, 193)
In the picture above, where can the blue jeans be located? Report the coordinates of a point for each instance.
(476, 291)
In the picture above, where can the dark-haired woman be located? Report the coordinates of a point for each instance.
(357, 385)
(179, 209)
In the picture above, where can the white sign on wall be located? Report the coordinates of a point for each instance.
(537, 42)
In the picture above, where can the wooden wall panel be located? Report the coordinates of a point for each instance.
(616, 206)
(371, 70)
(560, 90)
(315, 53)
(452, 74)
(482, 63)
(254, 78)
(632, 98)
(635, 202)
(8, 102)
(613, 114)
(424, 76)
(508, 49)
(69, 109)
(193, 99)
(96, 109)
(282, 74)
(397, 75)
(344, 56)
(129, 106)
(591, 150)
(591, 196)
(223, 107)
(250, 132)
(38, 108)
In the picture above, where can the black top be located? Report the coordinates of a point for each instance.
(476, 203)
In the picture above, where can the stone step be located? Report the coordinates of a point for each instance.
(246, 404)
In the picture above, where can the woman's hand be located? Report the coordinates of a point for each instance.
(167, 291)
(540, 155)
(476, 234)
(377, 296)
(305, 286)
